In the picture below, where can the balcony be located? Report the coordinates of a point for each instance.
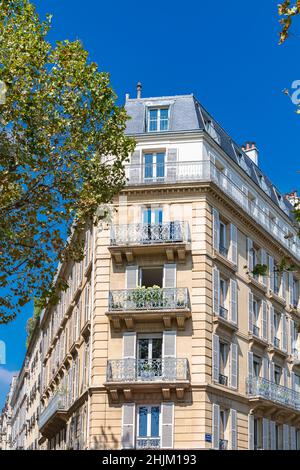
(54, 415)
(223, 251)
(140, 374)
(262, 390)
(148, 443)
(206, 172)
(223, 380)
(223, 444)
(168, 238)
(256, 331)
(149, 304)
(222, 321)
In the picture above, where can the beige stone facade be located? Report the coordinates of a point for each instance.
(205, 355)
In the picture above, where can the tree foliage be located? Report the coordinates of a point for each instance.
(62, 152)
(287, 10)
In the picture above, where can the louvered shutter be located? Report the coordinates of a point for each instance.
(250, 364)
(234, 365)
(293, 438)
(233, 423)
(250, 255)
(293, 381)
(135, 168)
(264, 261)
(283, 285)
(233, 301)
(284, 332)
(250, 312)
(216, 291)
(272, 376)
(171, 169)
(167, 417)
(233, 244)
(271, 273)
(169, 275)
(265, 363)
(273, 435)
(292, 341)
(216, 358)
(169, 355)
(216, 426)
(264, 320)
(286, 430)
(128, 428)
(271, 323)
(216, 229)
(250, 432)
(265, 433)
(291, 289)
(129, 354)
(285, 377)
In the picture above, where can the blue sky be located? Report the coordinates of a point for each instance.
(226, 53)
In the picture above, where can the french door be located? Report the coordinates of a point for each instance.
(149, 352)
(154, 166)
(152, 224)
(148, 426)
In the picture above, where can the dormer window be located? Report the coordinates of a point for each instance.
(210, 129)
(158, 119)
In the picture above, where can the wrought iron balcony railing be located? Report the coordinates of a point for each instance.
(223, 380)
(223, 251)
(257, 387)
(167, 369)
(206, 171)
(223, 312)
(256, 331)
(151, 298)
(223, 444)
(56, 404)
(148, 442)
(149, 234)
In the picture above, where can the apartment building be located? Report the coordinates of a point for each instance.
(166, 337)
(5, 420)
(18, 407)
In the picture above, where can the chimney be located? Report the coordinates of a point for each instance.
(139, 90)
(251, 150)
(127, 97)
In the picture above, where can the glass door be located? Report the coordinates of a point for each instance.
(149, 358)
(154, 166)
(152, 225)
(148, 427)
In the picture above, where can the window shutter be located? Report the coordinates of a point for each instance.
(250, 432)
(128, 420)
(216, 426)
(283, 332)
(293, 438)
(233, 419)
(131, 277)
(135, 167)
(216, 291)
(170, 275)
(286, 430)
(233, 244)
(271, 322)
(272, 378)
(250, 255)
(273, 435)
(250, 312)
(233, 301)
(271, 273)
(283, 285)
(250, 364)
(265, 363)
(171, 164)
(233, 365)
(291, 289)
(293, 382)
(285, 377)
(167, 414)
(216, 359)
(216, 229)
(266, 433)
(264, 261)
(129, 345)
(169, 344)
(292, 342)
(264, 320)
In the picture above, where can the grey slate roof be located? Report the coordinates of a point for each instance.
(187, 114)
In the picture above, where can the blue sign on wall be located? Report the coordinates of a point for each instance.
(208, 438)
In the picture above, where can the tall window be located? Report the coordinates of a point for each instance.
(154, 166)
(148, 426)
(158, 119)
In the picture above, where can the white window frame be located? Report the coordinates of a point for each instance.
(148, 421)
(158, 109)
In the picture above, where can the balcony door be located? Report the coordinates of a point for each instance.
(152, 225)
(154, 167)
(148, 426)
(149, 350)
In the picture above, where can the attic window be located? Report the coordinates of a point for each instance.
(210, 128)
(158, 119)
(244, 165)
(263, 185)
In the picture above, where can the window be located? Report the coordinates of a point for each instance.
(223, 366)
(258, 444)
(255, 317)
(297, 383)
(223, 298)
(279, 437)
(158, 119)
(154, 166)
(276, 317)
(277, 374)
(152, 277)
(148, 425)
(224, 419)
(223, 239)
(149, 357)
(256, 366)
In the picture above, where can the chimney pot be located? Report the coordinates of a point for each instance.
(251, 150)
(139, 90)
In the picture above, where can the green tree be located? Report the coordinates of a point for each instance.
(287, 10)
(62, 152)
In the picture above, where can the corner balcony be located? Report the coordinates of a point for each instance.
(263, 393)
(149, 304)
(54, 415)
(165, 374)
(168, 238)
(205, 172)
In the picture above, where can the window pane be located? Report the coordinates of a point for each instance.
(148, 165)
(164, 120)
(156, 348)
(153, 120)
(143, 421)
(160, 165)
(155, 421)
(143, 348)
